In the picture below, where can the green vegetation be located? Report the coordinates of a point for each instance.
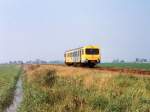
(145, 66)
(50, 93)
(8, 78)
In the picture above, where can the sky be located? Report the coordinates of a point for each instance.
(45, 29)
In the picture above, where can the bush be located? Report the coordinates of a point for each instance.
(49, 78)
(46, 77)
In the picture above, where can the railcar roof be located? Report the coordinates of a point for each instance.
(73, 49)
(82, 47)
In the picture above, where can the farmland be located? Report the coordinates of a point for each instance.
(8, 77)
(144, 66)
(51, 88)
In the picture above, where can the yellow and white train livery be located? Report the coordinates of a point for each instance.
(87, 55)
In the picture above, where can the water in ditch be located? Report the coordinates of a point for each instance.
(18, 96)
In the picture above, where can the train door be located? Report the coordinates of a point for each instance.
(80, 55)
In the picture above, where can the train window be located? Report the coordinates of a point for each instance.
(92, 51)
(71, 54)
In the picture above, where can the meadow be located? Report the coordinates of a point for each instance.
(8, 78)
(50, 88)
(144, 66)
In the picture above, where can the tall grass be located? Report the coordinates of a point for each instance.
(8, 78)
(49, 92)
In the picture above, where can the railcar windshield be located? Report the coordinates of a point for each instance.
(92, 51)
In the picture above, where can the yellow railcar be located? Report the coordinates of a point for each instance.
(87, 55)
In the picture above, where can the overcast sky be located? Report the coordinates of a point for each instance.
(44, 29)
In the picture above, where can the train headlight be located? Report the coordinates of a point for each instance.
(84, 60)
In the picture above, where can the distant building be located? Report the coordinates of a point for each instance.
(141, 60)
(37, 61)
(16, 62)
(118, 61)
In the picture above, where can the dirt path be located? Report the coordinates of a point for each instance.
(124, 70)
(18, 96)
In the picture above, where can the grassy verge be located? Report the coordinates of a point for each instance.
(8, 77)
(45, 91)
(145, 66)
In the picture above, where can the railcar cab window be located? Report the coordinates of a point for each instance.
(92, 51)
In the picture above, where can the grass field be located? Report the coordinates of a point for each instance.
(49, 88)
(8, 77)
(144, 66)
